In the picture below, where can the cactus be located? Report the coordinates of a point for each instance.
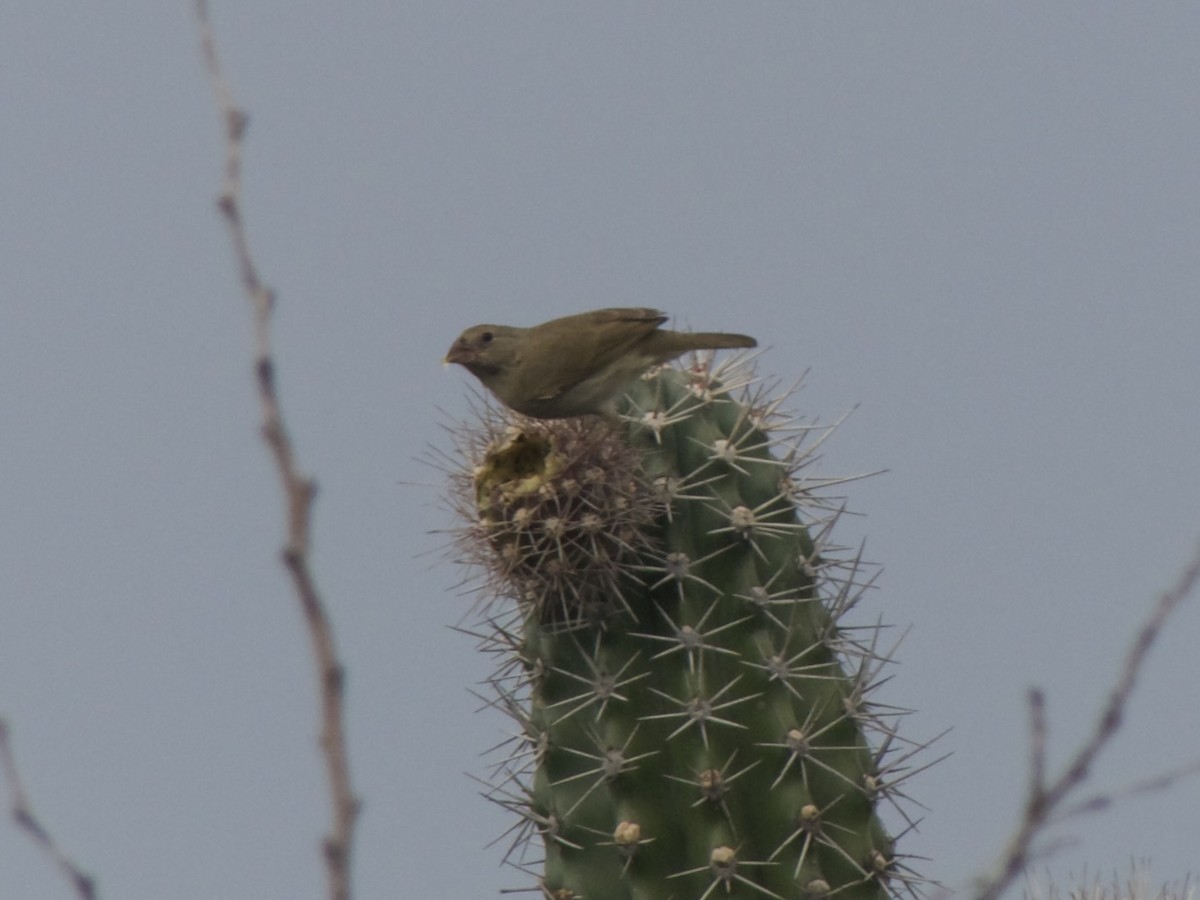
(663, 602)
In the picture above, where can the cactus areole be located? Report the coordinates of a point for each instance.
(663, 606)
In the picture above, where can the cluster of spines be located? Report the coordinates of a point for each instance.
(693, 716)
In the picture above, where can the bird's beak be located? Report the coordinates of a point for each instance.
(459, 352)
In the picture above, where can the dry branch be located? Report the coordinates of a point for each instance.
(298, 489)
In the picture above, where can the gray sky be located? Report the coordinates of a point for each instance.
(976, 223)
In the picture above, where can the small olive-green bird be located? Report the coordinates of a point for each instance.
(577, 365)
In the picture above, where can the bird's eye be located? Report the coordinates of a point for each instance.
(486, 337)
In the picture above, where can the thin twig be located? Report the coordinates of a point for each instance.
(298, 490)
(23, 815)
(1099, 802)
(1042, 805)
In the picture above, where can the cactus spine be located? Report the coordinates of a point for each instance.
(693, 721)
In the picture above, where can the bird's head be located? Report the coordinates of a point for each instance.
(484, 350)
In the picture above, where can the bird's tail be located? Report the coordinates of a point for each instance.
(717, 340)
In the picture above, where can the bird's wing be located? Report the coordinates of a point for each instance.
(579, 346)
(644, 314)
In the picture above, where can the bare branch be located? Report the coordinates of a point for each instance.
(1044, 803)
(298, 490)
(23, 815)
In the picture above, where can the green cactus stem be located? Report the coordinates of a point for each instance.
(664, 604)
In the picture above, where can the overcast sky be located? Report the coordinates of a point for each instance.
(975, 224)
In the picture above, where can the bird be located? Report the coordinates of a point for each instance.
(576, 365)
